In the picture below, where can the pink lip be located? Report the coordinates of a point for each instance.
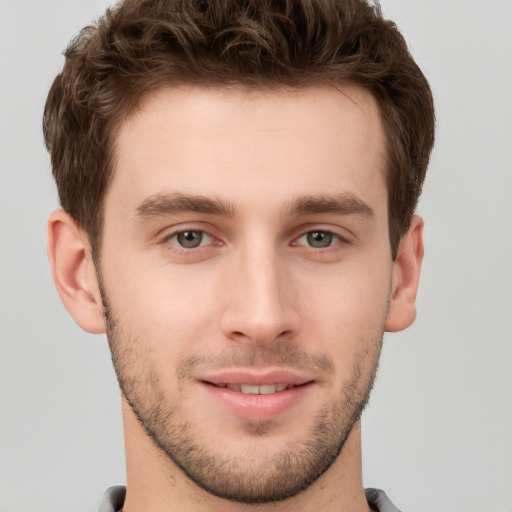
(257, 407)
(255, 378)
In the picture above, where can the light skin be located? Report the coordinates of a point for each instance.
(245, 242)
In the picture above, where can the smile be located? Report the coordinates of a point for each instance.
(257, 396)
(250, 389)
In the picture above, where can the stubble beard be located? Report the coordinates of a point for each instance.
(244, 477)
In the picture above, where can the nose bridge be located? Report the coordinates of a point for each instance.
(259, 304)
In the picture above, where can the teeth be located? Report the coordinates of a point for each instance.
(268, 389)
(249, 389)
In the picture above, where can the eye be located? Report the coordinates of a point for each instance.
(191, 239)
(319, 239)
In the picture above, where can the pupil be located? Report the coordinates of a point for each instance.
(190, 239)
(319, 239)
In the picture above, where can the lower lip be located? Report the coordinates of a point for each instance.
(258, 407)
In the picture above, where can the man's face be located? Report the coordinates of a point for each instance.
(246, 270)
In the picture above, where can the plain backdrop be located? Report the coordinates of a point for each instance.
(437, 433)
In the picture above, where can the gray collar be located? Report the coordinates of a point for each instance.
(113, 500)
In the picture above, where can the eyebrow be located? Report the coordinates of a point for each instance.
(346, 203)
(168, 204)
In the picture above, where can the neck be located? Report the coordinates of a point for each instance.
(156, 484)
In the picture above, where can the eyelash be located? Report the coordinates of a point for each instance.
(169, 238)
(334, 239)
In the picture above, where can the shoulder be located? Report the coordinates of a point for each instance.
(113, 499)
(379, 501)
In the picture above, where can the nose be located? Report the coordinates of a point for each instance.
(259, 304)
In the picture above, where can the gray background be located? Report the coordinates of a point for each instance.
(437, 435)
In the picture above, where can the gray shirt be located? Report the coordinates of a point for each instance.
(113, 500)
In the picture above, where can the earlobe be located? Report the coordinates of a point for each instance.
(405, 279)
(73, 272)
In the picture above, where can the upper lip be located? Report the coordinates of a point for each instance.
(250, 377)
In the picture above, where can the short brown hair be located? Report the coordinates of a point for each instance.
(143, 45)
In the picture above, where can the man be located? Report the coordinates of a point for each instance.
(238, 182)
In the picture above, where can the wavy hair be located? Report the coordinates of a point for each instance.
(140, 46)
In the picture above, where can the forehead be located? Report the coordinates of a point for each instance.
(234, 142)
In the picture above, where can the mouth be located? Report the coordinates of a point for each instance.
(251, 389)
(254, 396)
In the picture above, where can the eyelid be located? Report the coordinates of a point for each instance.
(342, 234)
(169, 233)
(206, 239)
(337, 239)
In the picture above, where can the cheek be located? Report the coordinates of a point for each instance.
(160, 304)
(346, 308)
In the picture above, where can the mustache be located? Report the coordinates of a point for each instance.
(282, 355)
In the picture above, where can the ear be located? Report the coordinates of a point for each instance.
(73, 271)
(405, 278)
